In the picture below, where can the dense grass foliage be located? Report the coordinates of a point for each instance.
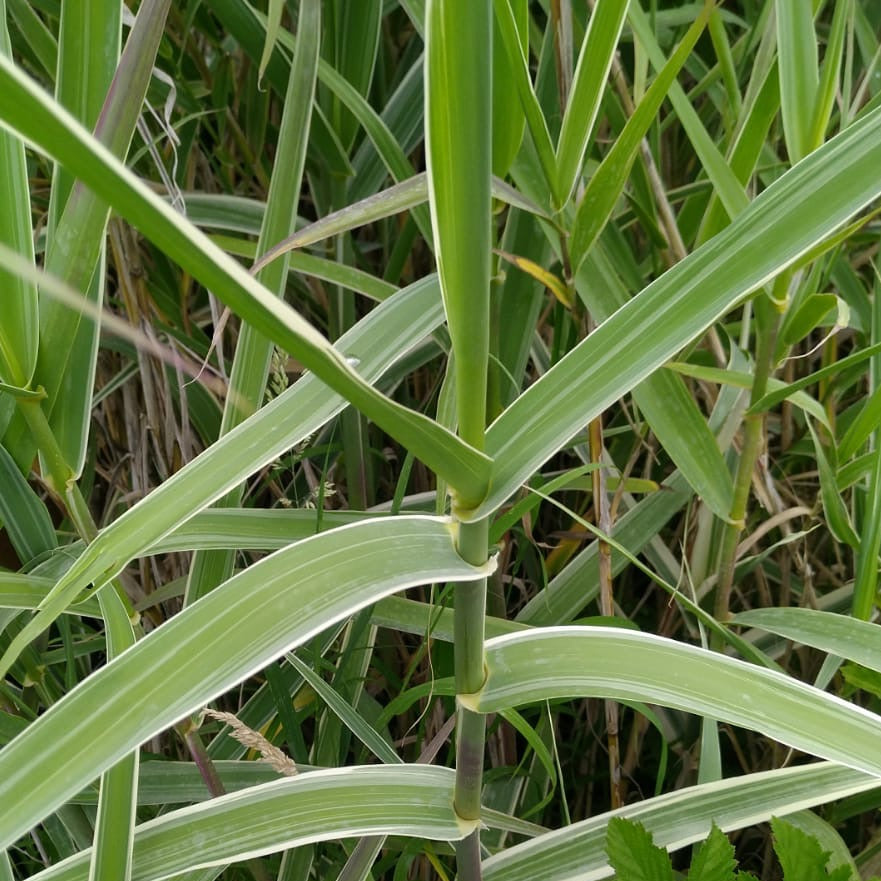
(431, 429)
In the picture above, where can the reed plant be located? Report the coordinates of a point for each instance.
(562, 317)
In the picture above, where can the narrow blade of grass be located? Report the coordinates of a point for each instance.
(583, 103)
(414, 801)
(829, 76)
(536, 124)
(508, 118)
(608, 181)
(799, 75)
(68, 351)
(731, 192)
(254, 350)
(839, 635)
(23, 513)
(19, 309)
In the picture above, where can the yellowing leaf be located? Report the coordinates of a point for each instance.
(548, 279)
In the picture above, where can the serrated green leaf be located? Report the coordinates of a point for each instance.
(800, 854)
(841, 864)
(633, 855)
(714, 859)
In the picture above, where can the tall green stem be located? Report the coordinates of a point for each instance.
(866, 580)
(61, 478)
(468, 623)
(458, 136)
(767, 323)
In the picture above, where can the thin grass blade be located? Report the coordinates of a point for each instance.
(68, 351)
(111, 854)
(40, 40)
(799, 75)
(346, 713)
(507, 30)
(830, 74)
(19, 306)
(729, 189)
(838, 635)
(508, 118)
(608, 181)
(23, 514)
(585, 97)
(254, 350)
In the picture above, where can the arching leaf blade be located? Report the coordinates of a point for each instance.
(627, 665)
(221, 640)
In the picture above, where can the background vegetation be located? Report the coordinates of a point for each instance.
(622, 452)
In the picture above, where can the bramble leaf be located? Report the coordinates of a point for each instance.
(633, 855)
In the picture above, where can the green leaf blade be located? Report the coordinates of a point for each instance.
(228, 635)
(625, 665)
(413, 800)
(795, 212)
(458, 73)
(799, 74)
(633, 855)
(607, 184)
(19, 305)
(589, 80)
